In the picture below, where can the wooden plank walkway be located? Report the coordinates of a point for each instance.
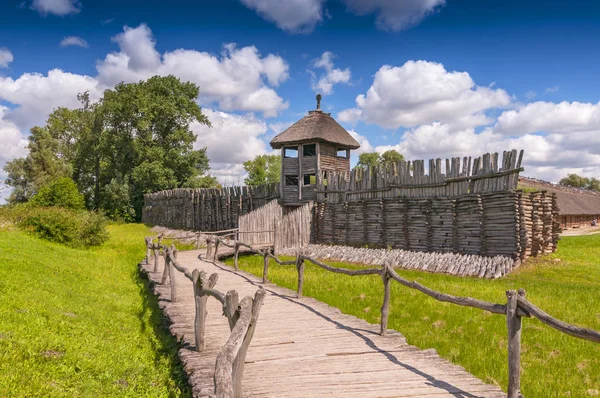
(305, 348)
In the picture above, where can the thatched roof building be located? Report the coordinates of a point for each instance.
(577, 207)
(317, 126)
(313, 144)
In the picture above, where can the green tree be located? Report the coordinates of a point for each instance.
(41, 166)
(263, 169)
(136, 139)
(369, 159)
(574, 180)
(594, 184)
(391, 156)
(62, 192)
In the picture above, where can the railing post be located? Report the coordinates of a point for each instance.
(167, 252)
(236, 252)
(265, 265)
(513, 324)
(216, 250)
(300, 269)
(172, 278)
(238, 364)
(148, 251)
(208, 248)
(231, 306)
(155, 249)
(200, 282)
(385, 307)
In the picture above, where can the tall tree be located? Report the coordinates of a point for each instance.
(135, 140)
(369, 159)
(38, 168)
(574, 180)
(263, 169)
(391, 156)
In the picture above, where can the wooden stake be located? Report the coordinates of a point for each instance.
(300, 269)
(385, 307)
(513, 324)
(265, 266)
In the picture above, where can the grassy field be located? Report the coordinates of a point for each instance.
(566, 285)
(81, 323)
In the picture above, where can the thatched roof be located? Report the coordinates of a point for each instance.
(571, 201)
(316, 126)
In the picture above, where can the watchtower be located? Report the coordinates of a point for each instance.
(314, 143)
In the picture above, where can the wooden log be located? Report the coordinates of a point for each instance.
(166, 270)
(513, 324)
(368, 271)
(173, 283)
(238, 364)
(216, 258)
(231, 307)
(572, 330)
(199, 282)
(300, 269)
(155, 250)
(223, 377)
(236, 252)
(385, 307)
(265, 254)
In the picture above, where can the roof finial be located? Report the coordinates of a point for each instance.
(319, 101)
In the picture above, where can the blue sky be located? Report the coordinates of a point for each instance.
(427, 77)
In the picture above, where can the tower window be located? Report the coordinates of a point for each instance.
(291, 180)
(310, 179)
(309, 150)
(290, 152)
(342, 153)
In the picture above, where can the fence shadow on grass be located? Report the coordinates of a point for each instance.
(165, 344)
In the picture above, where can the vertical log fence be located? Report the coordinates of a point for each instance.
(514, 310)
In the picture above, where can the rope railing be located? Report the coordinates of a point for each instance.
(242, 316)
(515, 309)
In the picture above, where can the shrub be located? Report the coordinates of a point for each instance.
(62, 192)
(65, 226)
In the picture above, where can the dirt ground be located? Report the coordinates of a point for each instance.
(587, 230)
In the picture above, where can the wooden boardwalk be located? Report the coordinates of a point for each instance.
(305, 348)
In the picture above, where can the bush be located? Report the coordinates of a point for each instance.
(68, 227)
(62, 192)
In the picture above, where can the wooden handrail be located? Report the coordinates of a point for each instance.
(242, 317)
(516, 308)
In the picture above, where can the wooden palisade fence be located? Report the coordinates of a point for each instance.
(241, 315)
(407, 179)
(514, 310)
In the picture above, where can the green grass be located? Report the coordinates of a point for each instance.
(82, 323)
(554, 364)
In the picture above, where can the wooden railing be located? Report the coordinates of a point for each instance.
(515, 309)
(241, 315)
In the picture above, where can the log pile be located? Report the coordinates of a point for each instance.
(446, 263)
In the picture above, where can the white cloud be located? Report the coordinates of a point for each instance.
(552, 89)
(324, 82)
(365, 145)
(12, 145)
(395, 15)
(232, 140)
(421, 92)
(530, 95)
(12, 142)
(238, 80)
(73, 41)
(550, 117)
(37, 95)
(6, 57)
(56, 7)
(351, 115)
(294, 16)
(549, 157)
